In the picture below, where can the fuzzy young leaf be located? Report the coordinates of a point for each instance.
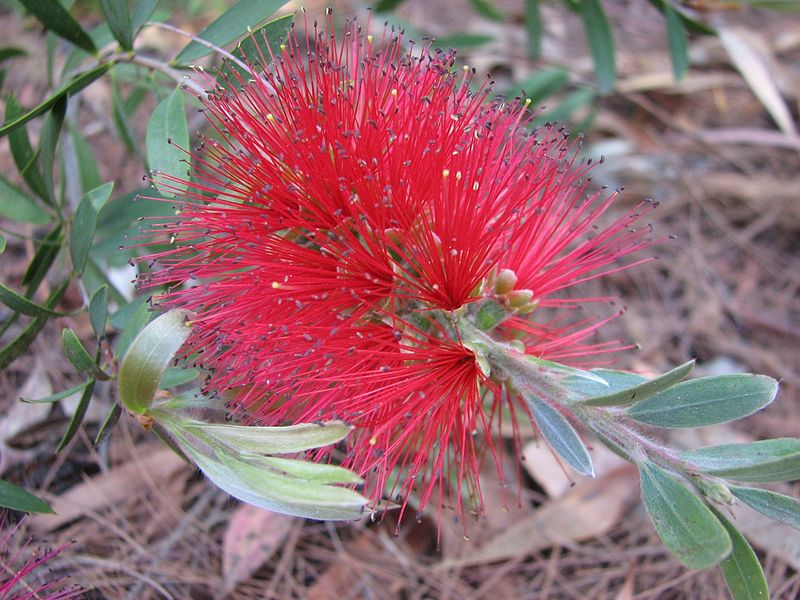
(561, 436)
(148, 357)
(167, 140)
(53, 15)
(312, 471)
(741, 569)
(706, 401)
(79, 357)
(771, 504)
(683, 522)
(758, 462)
(636, 392)
(272, 440)
(229, 26)
(15, 498)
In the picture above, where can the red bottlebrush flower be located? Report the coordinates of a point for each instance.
(358, 200)
(21, 572)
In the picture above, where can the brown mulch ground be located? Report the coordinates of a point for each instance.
(727, 291)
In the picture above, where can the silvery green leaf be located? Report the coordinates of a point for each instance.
(706, 401)
(759, 462)
(616, 381)
(167, 141)
(271, 440)
(775, 506)
(310, 471)
(684, 523)
(640, 391)
(561, 436)
(742, 571)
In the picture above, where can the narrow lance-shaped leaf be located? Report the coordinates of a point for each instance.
(760, 462)
(533, 27)
(113, 415)
(487, 9)
(98, 310)
(85, 223)
(70, 87)
(741, 569)
(24, 306)
(561, 436)
(17, 206)
(79, 357)
(77, 416)
(678, 42)
(15, 498)
(42, 260)
(119, 21)
(148, 357)
(229, 26)
(167, 140)
(706, 401)
(683, 522)
(601, 44)
(53, 15)
(142, 12)
(635, 392)
(771, 504)
(58, 395)
(22, 151)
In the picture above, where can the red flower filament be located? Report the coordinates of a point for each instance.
(359, 199)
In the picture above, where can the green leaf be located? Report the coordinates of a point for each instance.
(678, 42)
(533, 28)
(463, 39)
(120, 116)
(84, 224)
(79, 357)
(53, 15)
(9, 52)
(253, 50)
(119, 21)
(88, 169)
(77, 417)
(759, 462)
(777, 507)
(98, 311)
(144, 9)
(487, 9)
(58, 395)
(24, 306)
(601, 44)
(22, 151)
(113, 415)
(684, 523)
(231, 25)
(148, 357)
(776, 5)
(17, 206)
(540, 85)
(742, 571)
(2, 243)
(689, 22)
(564, 109)
(72, 86)
(15, 498)
(167, 133)
(561, 436)
(637, 392)
(706, 401)
(18, 345)
(272, 440)
(131, 319)
(42, 260)
(387, 5)
(48, 141)
(490, 314)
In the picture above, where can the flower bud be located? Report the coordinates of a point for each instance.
(505, 281)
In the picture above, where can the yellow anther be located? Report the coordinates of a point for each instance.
(270, 117)
(373, 440)
(458, 175)
(527, 102)
(394, 92)
(445, 172)
(276, 285)
(369, 38)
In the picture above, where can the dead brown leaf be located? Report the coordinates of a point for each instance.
(252, 537)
